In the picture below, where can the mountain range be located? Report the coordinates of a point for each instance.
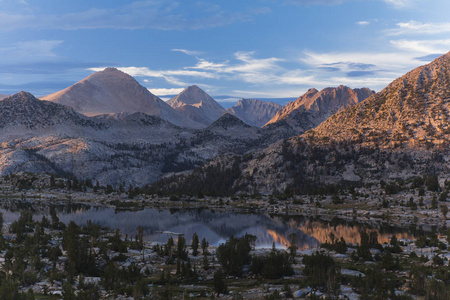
(399, 133)
(123, 148)
(109, 128)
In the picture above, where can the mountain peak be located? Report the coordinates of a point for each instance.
(193, 95)
(254, 112)
(26, 111)
(197, 105)
(112, 91)
(21, 96)
(227, 121)
(314, 107)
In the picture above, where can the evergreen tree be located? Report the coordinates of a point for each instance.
(195, 244)
(219, 284)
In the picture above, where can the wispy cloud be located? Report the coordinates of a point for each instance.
(414, 28)
(188, 52)
(171, 76)
(401, 3)
(363, 23)
(149, 14)
(395, 3)
(315, 2)
(423, 46)
(30, 51)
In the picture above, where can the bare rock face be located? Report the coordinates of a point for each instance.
(314, 107)
(197, 105)
(113, 91)
(411, 111)
(254, 112)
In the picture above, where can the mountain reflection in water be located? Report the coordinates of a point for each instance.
(217, 227)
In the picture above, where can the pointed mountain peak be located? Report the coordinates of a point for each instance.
(193, 88)
(110, 75)
(197, 105)
(226, 121)
(311, 91)
(21, 96)
(195, 96)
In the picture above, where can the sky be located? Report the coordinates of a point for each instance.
(241, 49)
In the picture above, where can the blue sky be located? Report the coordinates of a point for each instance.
(252, 48)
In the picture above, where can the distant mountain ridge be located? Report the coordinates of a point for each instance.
(129, 148)
(113, 91)
(3, 96)
(314, 107)
(254, 112)
(197, 105)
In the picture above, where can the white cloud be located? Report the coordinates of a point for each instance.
(374, 70)
(413, 27)
(395, 3)
(208, 65)
(165, 92)
(315, 2)
(401, 3)
(171, 76)
(188, 52)
(271, 77)
(423, 46)
(363, 23)
(361, 60)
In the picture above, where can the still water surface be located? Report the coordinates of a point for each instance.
(216, 227)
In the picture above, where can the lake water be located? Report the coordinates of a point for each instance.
(216, 227)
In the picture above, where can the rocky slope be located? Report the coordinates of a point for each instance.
(254, 112)
(413, 110)
(314, 107)
(400, 133)
(113, 91)
(197, 105)
(3, 96)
